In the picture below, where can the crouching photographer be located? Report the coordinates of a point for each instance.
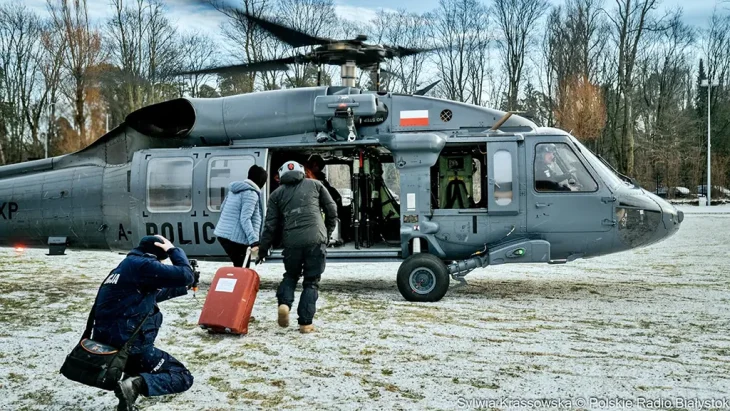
(126, 316)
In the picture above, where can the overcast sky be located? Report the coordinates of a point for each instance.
(187, 13)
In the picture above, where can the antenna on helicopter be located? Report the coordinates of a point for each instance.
(348, 54)
(423, 91)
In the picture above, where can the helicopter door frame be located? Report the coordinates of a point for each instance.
(509, 142)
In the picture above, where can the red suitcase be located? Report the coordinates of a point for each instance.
(230, 299)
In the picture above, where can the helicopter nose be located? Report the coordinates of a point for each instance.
(645, 219)
(671, 217)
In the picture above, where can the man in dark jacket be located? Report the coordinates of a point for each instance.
(297, 206)
(130, 293)
(316, 164)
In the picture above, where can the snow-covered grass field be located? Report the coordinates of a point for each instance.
(652, 323)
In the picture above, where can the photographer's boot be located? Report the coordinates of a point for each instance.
(127, 391)
(283, 315)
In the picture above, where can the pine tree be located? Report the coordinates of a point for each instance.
(701, 95)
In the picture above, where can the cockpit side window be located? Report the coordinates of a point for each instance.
(557, 168)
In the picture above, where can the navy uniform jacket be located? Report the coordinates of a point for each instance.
(133, 290)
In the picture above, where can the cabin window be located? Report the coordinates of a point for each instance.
(170, 185)
(557, 168)
(221, 172)
(477, 182)
(503, 177)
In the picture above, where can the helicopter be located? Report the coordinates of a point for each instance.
(476, 187)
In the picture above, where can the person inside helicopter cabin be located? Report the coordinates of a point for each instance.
(241, 220)
(548, 175)
(316, 165)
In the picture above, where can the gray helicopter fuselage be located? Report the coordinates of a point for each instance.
(165, 170)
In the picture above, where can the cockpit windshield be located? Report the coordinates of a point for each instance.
(612, 180)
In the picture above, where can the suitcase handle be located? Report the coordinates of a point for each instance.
(248, 257)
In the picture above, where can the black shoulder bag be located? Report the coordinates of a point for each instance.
(95, 364)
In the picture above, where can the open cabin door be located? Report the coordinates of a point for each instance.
(178, 193)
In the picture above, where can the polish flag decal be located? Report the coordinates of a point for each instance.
(414, 118)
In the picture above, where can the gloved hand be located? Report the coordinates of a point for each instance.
(254, 253)
(261, 256)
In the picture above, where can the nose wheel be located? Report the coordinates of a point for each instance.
(423, 277)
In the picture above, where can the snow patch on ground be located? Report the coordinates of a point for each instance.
(650, 323)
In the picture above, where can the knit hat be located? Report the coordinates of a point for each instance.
(147, 245)
(258, 175)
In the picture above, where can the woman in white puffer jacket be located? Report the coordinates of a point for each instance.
(241, 220)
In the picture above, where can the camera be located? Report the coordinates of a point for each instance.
(196, 274)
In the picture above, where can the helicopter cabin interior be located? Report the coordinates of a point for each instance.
(365, 184)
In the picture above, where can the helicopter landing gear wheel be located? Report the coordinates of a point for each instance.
(423, 277)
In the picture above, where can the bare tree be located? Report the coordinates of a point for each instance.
(249, 44)
(314, 17)
(662, 82)
(81, 55)
(516, 20)
(461, 26)
(54, 42)
(20, 53)
(716, 49)
(573, 47)
(401, 28)
(145, 50)
(631, 20)
(198, 52)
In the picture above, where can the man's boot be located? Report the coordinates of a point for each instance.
(127, 391)
(305, 329)
(283, 315)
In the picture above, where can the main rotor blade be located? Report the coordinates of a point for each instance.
(399, 51)
(294, 38)
(269, 65)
